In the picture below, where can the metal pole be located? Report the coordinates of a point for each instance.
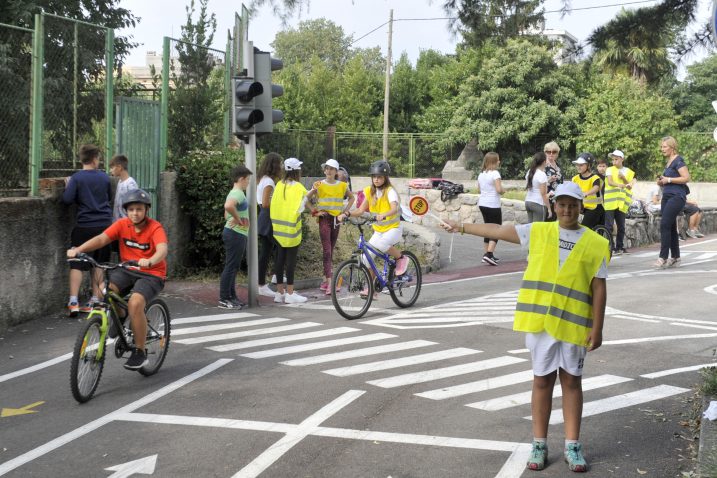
(387, 87)
(38, 58)
(227, 90)
(252, 258)
(109, 95)
(75, 72)
(163, 141)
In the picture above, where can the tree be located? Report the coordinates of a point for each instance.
(515, 103)
(622, 113)
(321, 38)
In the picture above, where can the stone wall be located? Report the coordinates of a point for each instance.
(424, 243)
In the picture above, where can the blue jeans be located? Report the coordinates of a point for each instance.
(671, 207)
(234, 247)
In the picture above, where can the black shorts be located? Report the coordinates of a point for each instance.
(690, 209)
(491, 215)
(146, 285)
(79, 236)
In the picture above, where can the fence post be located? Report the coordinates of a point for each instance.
(165, 106)
(38, 58)
(411, 156)
(109, 95)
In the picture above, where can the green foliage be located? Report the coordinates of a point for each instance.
(203, 182)
(622, 113)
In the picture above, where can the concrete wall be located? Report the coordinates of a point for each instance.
(34, 237)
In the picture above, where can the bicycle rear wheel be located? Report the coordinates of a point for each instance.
(88, 360)
(350, 281)
(158, 329)
(607, 234)
(404, 289)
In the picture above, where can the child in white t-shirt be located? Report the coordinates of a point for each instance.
(489, 183)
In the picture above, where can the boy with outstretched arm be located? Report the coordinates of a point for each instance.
(141, 239)
(561, 307)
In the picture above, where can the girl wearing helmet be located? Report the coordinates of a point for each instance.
(590, 183)
(382, 200)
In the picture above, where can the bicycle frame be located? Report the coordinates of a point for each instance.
(114, 303)
(364, 249)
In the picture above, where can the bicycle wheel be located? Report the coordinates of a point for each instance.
(605, 232)
(404, 289)
(88, 360)
(350, 280)
(158, 329)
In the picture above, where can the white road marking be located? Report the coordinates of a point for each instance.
(711, 289)
(617, 402)
(436, 374)
(282, 339)
(400, 362)
(317, 359)
(143, 466)
(247, 333)
(694, 326)
(638, 319)
(658, 339)
(523, 398)
(52, 445)
(478, 386)
(233, 325)
(212, 318)
(674, 371)
(318, 345)
(35, 368)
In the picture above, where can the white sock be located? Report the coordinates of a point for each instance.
(73, 298)
(570, 442)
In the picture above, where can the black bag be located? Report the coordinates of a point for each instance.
(264, 223)
(449, 190)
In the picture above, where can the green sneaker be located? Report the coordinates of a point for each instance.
(575, 459)
(538, 456)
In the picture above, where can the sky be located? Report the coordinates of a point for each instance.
(358, 18)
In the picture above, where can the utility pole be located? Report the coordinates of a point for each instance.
(387, 87)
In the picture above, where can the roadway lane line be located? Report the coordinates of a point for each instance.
(674, 371)
(247, 333)
(621, 401)
(439, 373)
(478, 386)
(658, 339)
(52, 445)
(212, 318)
(234, 325)
(380, 349)
(318, 345)
(34, 368)
(283, 338)
(523, 398)
(400, 362)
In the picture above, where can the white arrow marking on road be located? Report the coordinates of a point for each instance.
(144, 466)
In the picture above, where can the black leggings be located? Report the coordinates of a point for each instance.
(491, 215)
(286, 256)
(267, 250)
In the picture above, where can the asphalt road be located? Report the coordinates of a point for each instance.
(437, 390)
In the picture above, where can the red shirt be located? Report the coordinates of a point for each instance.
(134, 245)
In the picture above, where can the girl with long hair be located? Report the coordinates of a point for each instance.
(536, 200)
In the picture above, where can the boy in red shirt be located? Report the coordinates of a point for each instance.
(141, 239)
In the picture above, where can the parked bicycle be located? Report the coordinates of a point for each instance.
(354, 287)
(88, 357)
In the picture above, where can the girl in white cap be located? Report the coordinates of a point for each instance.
(287, 204)
(330, 193)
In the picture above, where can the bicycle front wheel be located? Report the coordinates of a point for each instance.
(158, 329)
(352, 289)
(88, 360)
(606, 233)
(404, 289)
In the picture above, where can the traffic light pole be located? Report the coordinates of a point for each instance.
(252, 252)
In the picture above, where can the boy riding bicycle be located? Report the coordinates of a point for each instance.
(141, 239)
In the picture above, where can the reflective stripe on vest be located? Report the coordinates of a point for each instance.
(617, 198)
(558, 300)
(382, 206)
(285, 219)
(591, 201)
(331, 197)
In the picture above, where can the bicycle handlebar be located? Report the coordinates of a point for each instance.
(132, 266)
(365, 218)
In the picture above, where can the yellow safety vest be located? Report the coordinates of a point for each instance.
(331, 197)
(616, 198)
(382, 206)
(558, 300)
(285, 218)
(593, 200)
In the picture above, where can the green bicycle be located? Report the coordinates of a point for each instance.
(88, 357)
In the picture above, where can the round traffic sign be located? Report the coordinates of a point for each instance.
(418, 205)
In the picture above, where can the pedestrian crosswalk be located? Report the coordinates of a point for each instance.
(436, 372)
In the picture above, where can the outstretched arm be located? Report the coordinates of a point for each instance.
(494, 231)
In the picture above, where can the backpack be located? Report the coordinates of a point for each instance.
(637, 209)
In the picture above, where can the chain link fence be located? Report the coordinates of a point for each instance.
(15, 108)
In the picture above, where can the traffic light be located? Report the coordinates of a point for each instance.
(264, 64)
(245, 112)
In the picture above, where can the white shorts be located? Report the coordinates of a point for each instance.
(549, 354)
(384, 240)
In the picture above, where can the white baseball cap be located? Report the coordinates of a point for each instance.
(580, 160)
(569, 189)
(617, 153)
(332, 163)
(292, 164)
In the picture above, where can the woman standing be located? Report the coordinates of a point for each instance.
(287, 204)
(552, 171)
(489, 183)
(674, 181)
(269, 174)
(536, 200)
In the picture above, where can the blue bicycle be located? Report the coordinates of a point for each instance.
(354, 287)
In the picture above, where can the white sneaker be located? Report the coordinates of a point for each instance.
(266, 291)
(273, 279)
(294, 298)
(279, 298)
